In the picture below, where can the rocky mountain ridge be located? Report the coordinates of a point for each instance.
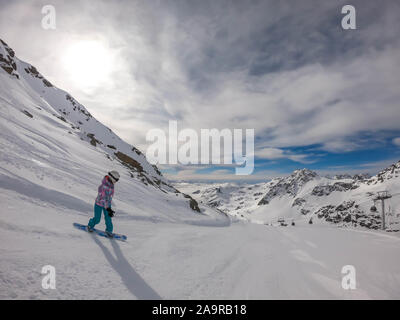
(79, 122)
(343, 199)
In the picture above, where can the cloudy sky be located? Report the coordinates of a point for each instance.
(317, 96)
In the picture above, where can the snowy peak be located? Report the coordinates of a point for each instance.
(304, 173)
(31, 70)
(15, 67)
(302, 176)
(343, 199)
(391, 172)
(290, 185)
(7, 62)
(361, 177)
(80, 122)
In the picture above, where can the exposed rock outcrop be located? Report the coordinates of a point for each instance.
(326, 190)
(289, 185)
(349, 214)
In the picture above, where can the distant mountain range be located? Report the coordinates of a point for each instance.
(342, 199)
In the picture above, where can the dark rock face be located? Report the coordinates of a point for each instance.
(349, 213)
(8, 69)
(214, 203)
(27, 113)
(390, 172)
(47, 83)
(128, 161)
(61, 118)
(138, 152)
(304, 212)
(263, 201)
(192, 203)
(77, 106)
(93, 140)
(337, 186)
(342, 176)
(156, 170)
(298, 202)
(34, 73)
(8, 49)
(345, 205)
(361, 177)
(289, 185)
(347, 218)
(137, 170)
(7, 62)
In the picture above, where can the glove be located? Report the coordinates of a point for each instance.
(110, 212)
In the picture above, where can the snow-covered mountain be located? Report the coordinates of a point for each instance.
(54, 155)
(52, 143)
(344, 199)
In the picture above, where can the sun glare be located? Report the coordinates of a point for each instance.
(88, 63)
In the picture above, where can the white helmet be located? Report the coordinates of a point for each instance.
(114, 176)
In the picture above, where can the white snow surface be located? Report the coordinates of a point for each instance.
(49, 174)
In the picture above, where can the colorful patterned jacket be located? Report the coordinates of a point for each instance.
(106, 192)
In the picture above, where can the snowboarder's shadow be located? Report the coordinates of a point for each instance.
(132, 280)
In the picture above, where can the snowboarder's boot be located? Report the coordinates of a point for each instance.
(109, 234)
(89, 229)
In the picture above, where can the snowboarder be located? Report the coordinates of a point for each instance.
(103, 202)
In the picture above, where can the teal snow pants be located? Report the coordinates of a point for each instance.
(97, 217)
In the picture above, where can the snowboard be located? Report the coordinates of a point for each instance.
(116, 236)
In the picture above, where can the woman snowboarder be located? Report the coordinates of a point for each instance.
(103, 203)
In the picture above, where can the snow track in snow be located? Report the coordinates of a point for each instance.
(181, 261)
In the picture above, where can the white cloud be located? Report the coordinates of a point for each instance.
(275, 153)
(370, 167)
(181, 62)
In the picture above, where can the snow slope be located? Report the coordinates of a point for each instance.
(53, 156)
(180, 261)
(55, 151)
(237, 200)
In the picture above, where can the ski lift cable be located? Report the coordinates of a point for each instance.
(369, 200)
